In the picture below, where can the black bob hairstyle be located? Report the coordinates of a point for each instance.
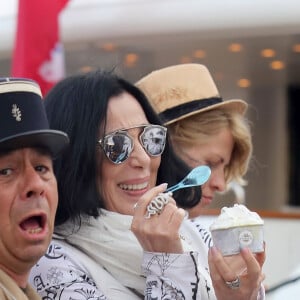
(77, 105)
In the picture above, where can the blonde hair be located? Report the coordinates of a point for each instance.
(201, 126)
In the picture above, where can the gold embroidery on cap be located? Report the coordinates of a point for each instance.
(16, 113)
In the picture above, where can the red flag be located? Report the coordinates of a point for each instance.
(38, 53)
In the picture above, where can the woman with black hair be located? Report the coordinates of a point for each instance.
(118, 235)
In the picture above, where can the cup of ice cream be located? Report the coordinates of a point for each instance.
(237, 227)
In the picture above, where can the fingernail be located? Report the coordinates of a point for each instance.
(245, 250)
(164, 185)
(213, 250)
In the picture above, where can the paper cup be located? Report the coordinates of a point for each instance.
(231, 240)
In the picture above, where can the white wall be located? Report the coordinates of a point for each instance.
(87, 19)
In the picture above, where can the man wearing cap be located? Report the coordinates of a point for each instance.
(28, 188)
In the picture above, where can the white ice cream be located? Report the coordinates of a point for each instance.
(236, 216)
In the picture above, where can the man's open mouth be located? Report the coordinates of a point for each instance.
(34, 224)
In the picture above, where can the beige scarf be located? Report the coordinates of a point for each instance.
(11, 291)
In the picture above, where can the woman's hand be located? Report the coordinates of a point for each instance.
(159, 232)
(250, 279)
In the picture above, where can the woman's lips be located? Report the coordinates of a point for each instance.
(206, 199)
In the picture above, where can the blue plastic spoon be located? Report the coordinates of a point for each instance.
(197, 176)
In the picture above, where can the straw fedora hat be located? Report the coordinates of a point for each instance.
(23, 119)
(180, 91)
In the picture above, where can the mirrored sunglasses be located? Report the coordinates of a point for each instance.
(118, 145)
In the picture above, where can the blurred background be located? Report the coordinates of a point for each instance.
(252, 49)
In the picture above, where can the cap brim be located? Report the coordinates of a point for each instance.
(234, 105)
(53, 140)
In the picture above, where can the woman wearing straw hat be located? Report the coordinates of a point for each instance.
(204, 128)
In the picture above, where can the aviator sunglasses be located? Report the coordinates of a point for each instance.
(118, 145)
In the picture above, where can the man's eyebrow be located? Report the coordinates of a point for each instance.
(43, 151)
